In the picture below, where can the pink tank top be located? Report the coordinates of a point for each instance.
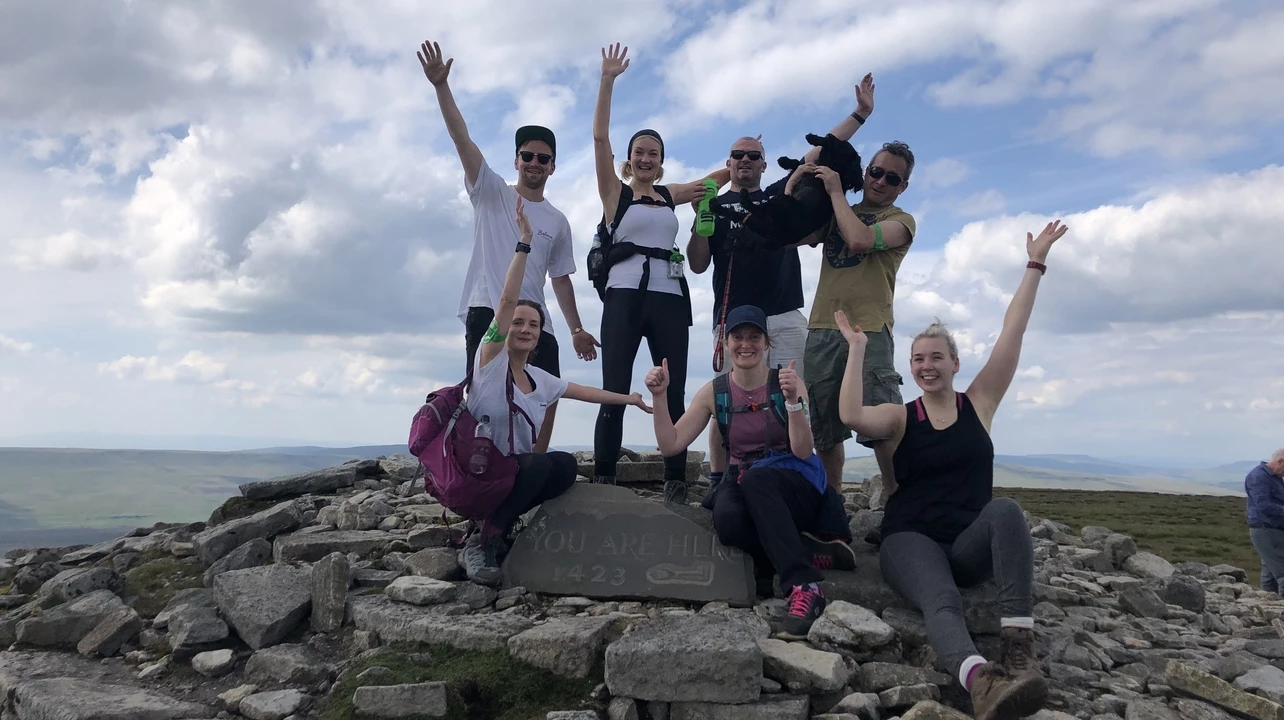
(752, 432)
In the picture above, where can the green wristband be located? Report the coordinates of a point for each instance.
(878, 238)
(493, 335)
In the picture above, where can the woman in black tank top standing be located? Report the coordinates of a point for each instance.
(942, 527)
(646, 294)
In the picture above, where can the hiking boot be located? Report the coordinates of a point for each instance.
(999, 695)
(829, 554)
(603, 479)
(1016, 652)
(482, 558)
(805, 605)
(675, 491)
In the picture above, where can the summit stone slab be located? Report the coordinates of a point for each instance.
(72, 699)
(701, 658)
(605, 541)
(317, 481)
(311, 547)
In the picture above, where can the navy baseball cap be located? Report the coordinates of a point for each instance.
(527, 133)
(747, 315)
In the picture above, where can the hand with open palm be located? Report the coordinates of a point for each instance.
(614, 60)
(430, 60)
(1037, 247)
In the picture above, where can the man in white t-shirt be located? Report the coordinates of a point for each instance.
(495, 233)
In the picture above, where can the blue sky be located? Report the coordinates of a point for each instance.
(247, 220)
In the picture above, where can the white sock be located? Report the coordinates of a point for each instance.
(973, 661)
(1017, 622)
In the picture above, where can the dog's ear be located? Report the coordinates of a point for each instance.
(816, 140)
(788, 163)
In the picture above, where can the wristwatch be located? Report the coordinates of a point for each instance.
(796, 407)
(523, 247)
(577, 331)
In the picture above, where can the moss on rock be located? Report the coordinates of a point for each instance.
(156, 582)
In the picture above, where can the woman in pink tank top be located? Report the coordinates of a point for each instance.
(774, 507)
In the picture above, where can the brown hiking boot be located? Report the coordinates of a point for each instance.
(1017, 652)
(999, 695)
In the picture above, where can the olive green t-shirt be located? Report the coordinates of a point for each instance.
(862, 285)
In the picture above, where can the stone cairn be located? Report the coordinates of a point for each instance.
(341, 561)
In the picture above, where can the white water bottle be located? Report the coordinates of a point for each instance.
(480, 459)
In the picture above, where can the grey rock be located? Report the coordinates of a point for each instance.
(433, 537)
(369, 578)
(399, 622)
(700, 658)
(231, 700)
(125, 561)
(1185, 592)
(352, 516)
(94, 552)
(274, 705)
(908, 624)
(115, 630)
(849, 626)
(1142, 602)
(310, 547)
(252, 554)
(1095, 533)
(287, 665)
(195, 627)
(74, 699)
(565, 646)
(420, 590)
(191, 597)
(396, 701)
(1149, 710)
(264, 604)
(214, 663)
(66, 625)
(318, 481)
(572, 715)
(907, 695)
(1267, 681)
(220, 540)
(1237, 663)
(622, 709)
(865, 706)
(331, 577)
(71, 584)
(1149, 565)
(770, 707)
(801, 668)
(1200, 710)
(30, 578)
(1270, 649)
(876, 677)
(475, 596)
(436, 563)
(1237, 573)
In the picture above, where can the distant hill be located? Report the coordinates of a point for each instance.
(58, 496)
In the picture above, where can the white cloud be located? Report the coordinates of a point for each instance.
(194, 367)
(940, 173)
(9, 343)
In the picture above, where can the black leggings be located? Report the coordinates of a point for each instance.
(763, 515)
(540, 478)
(627, 317)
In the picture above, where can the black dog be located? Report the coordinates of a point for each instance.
(786, 220)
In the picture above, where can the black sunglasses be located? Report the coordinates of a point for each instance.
(753, 154)
(891, 178)
(527, 156)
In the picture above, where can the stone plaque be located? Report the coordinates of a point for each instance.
(605, 541)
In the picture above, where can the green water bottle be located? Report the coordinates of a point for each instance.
(704, 216)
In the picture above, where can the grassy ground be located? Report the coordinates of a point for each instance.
(488, 685)
(1178, 528)
(156, 582)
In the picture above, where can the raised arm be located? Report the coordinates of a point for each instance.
(848, 126)
(886, 420)
(437, 72)
(989, 386)
(493, 341)
(688, 192)
(671, 439)
(614, 62)
(859, 237)
(801, 441)
(584, 393)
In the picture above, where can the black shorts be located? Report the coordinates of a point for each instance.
(478, 322)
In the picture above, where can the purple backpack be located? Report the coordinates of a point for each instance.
(442, 436)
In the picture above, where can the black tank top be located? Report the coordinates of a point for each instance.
(944, 477)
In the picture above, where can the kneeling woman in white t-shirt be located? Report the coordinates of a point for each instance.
(540, 477)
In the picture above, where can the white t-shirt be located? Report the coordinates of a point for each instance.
(489, 397)
(646, 226)
(495, 237)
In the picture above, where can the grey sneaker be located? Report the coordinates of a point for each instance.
(481, 559)
(675, 491)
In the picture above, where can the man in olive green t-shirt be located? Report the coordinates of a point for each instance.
(864, 246)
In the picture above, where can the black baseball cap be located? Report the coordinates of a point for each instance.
(527, 133)
(747, 315)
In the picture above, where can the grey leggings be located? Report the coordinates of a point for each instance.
(1269, 544)
(929, 574)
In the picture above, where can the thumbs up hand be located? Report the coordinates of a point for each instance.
(657, 380)
(790, 384)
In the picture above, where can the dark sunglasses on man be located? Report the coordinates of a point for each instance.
(891, 178)
(527, 156)
(754, 155)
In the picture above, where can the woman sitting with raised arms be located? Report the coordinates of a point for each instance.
(943, 528)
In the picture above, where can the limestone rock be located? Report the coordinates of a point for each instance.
(331, 577)
(845, 625)
(803, 669)
(194, 623)
(220, 540)
(907, 695)
(252, 554)
(75, 699)
(420, 590)
(1149, 710)
(1199, 684)
(1267, 681)
(71, 584)
(770, 707)
(399, 622)
(436, 563)
(931, 710)
(396, 701)
(565, 646)
(264, 604)
(115, 630)
(1185, 592)
(1149, 565)
(1143, 602)
(274, 705)
(876, 677)
(214, 663)
(700, 659)
(311, 547)
(622, 709)
(317, 481)
(66, 625)
(287, 665)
